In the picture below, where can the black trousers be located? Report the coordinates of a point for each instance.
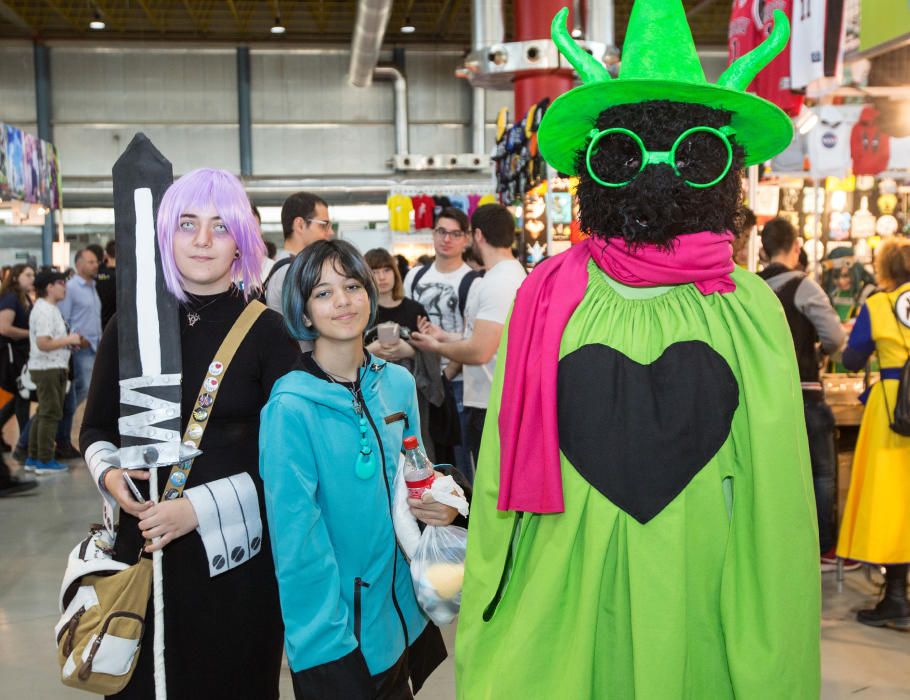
(475, 418)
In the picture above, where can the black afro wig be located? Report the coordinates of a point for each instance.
(657, 206)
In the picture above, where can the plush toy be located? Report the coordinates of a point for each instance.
(643, 520)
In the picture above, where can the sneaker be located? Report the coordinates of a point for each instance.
(16, 486)
(30, 464)
(829, 562)
(52, 466)
(67, 452)
(20, 454)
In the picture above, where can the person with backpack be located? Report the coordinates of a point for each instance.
(304, 220)
(442, 288)
(811, 319)
(876, 527)
(486, 312)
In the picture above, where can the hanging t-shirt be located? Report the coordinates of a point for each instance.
(790, 160)
(459, 201)
(774, 82)
(742, 32)
(488, 199)
(829, 143)
(807, 43)
(441, 203)
(869, 146)
(473, 203)
(423, 211)
(400, 209)
(489, 300)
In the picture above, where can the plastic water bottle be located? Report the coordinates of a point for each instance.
(418, 469)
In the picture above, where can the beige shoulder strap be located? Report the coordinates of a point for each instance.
(208, 392)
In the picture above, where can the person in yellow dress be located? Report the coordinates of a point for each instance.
(876, 524)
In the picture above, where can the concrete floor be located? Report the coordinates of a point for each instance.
(37, 531)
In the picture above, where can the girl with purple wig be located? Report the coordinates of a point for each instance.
(222, 617)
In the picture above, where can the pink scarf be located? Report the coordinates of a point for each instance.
(530, 475)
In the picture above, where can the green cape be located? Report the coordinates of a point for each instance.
(718, 596)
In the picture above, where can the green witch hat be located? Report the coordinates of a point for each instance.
(659, 62)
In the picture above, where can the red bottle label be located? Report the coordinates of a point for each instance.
(416, 488)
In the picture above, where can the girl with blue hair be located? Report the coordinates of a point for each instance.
(329, 445)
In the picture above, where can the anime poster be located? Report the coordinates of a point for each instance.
(29, 169)
(4, 180)
(15, 171)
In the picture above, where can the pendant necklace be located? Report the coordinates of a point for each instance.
(366, 461)
(192, 315)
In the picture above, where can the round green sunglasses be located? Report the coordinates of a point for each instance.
(654, 157)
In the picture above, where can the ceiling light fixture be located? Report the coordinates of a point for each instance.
(278, 27)
(408, 27)
(97, 23)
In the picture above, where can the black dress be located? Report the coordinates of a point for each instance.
(223, 634)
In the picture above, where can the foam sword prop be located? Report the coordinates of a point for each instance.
(149, 339)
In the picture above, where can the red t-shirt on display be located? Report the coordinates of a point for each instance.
(423, 211)
(742, 32)
(869, 147)
(773, 83)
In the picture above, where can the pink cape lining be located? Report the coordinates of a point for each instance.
(530, 475)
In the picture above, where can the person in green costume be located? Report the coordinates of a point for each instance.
(643, 523)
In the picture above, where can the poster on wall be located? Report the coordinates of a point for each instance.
(29, 169)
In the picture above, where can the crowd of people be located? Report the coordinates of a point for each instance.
(352, 356)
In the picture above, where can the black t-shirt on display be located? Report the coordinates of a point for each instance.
(106, 286)
(405, 315)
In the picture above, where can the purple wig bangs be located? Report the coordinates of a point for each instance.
(222, 190)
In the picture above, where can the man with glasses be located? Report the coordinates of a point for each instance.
(304, 220)
(442, 288)
(493, 233)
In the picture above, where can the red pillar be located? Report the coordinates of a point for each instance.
(532, 21)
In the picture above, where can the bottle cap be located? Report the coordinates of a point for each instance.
(411, 443)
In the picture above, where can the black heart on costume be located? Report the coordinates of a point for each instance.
(640, 433)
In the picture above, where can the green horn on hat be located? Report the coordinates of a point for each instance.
(590, 70)
(744, 69)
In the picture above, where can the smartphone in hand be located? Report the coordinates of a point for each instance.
(133, 488)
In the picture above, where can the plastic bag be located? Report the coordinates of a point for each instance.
(436, 554)
(437, 570)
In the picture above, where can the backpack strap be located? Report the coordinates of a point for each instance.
(417, 277)
(279, 264)
(465, 286)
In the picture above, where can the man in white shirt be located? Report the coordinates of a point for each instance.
(442, 287)
(486, 312)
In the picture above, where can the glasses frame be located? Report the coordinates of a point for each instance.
(322, 223)
(444, 233)
(656, 157)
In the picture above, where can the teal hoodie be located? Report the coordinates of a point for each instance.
(332, 534)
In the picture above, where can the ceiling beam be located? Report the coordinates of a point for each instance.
(153, 19)
(115, 19)
(445, 16)
(14, 18)
(703, 5)
(67, 16)
(233, 8)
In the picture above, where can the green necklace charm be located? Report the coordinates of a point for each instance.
(366, 460)
(365, 467)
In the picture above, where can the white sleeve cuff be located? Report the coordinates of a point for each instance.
(95, 458)
(229, 522)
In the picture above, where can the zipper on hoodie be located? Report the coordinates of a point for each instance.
(359, 585)
(388, 491)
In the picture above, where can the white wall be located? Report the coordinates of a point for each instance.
(307, 119)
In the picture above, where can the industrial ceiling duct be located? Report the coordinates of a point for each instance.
(369, 30)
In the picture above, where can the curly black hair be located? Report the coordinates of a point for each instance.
(657, 206)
